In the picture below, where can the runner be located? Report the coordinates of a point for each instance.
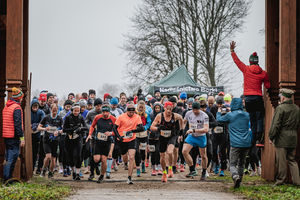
(74, 127)
(142, 138)
(114, 107)
(123, 100)
(198, 127)
(127, 125)
(169, 125)
(89, 120)
(103, 124)
(52, 125)
(154, 143)
(62, 150)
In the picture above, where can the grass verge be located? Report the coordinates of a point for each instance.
(254, 187)
(37, 188)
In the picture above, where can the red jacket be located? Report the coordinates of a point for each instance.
(10, 118)
(254, 76)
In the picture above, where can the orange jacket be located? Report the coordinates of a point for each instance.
(8, 119)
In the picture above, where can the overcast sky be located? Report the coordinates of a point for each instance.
(74, 45)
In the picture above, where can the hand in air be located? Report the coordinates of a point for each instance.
(232, 46)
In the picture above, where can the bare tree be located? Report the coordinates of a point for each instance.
(170, 33)
(112, 89)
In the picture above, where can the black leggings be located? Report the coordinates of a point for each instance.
(220, 140)
(181, 157)
(140, 155)
(155, 156)
(41, 153)
(62, 151)
(74, 149)
(194, 154)
(252, 158)
(209, 149)
(35, 148)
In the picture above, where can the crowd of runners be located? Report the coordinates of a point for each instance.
(169, 134)
(172, 133)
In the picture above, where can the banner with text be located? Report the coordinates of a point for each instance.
(189, 89)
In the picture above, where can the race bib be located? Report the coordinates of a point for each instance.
(151, 148)
(218, 129)
(102, 136)
(128, 136)
(142, 134)
(52, 129)
(166, 133)
(143, 146)
(193, 126)
(73, 136)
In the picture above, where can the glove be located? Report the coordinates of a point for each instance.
(128, 133)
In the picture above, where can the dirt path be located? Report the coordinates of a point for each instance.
(148, 187)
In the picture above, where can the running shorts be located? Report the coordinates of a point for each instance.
(200, 141)
(125, 146)
(164, 142)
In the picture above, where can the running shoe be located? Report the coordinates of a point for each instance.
(143, 168)
(38, 172)
(191, 174)
(138, 172)
(216, 171)
(116, 167)
(170, 173)
(147, 163)
(80, 174)
(77, 177)
(207, 174)
(100, 179)
(129, 181)
(222, 173)
(43, 174)
(107, 175)
(50, 174)
(68, 171)
(182, 168)
(253, 173)
(237, 181)
(259, 171)
(164, 178)
(153, 172)
(159, 172)
(65, 173)
(91, 177)
(126, 167)
(203, 176)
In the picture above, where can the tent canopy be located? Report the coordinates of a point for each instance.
(178, 81)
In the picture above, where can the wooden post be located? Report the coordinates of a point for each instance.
(271, 99)
(14, 52)
(287, 41)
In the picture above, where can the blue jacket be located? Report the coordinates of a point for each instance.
(36, 117)
(238, 124)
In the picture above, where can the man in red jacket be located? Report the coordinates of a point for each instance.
(12, 131)
(254, 76)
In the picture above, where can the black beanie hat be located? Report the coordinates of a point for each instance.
(180, 104)
(49, 94)
(141, 97)
(196, 105)
(91, 91)
(90, 101)
(68, 102)
(220, 100)
(152, 101)
(98, 101)
(71, 94)
(173, 99)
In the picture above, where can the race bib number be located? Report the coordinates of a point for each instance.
(143, 146)
(151, 148)
(73, 136)
(142, 134)
(102, 136)
(127, 136)
(218, 129)
(165, 133)
(193, 126)
(52, 129)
